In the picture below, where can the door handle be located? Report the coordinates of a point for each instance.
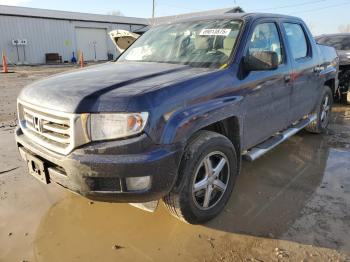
(287, 78)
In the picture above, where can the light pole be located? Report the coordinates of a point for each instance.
(153, 9)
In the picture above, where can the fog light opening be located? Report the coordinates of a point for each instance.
(138, 183)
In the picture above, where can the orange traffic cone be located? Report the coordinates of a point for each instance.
(81, 60)
(5, 68)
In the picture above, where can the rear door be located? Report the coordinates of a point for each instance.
(267, 102)
(305, 78)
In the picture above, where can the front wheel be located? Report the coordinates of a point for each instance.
(207, 176)
(323, 111)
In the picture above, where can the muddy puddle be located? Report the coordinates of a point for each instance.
(293, 204)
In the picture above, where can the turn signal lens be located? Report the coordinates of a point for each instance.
(135, 123)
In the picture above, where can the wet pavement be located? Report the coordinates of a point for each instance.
(293, 204)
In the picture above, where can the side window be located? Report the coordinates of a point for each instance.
(265, 37)
(297, 40)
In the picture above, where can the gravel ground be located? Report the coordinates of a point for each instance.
(293, 204)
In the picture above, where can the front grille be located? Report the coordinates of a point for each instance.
(50, 129)
(53, 129)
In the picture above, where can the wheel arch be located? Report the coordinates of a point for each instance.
(221, 113)
(230, 128)
(331, 83)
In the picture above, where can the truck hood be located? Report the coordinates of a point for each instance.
(104, 88)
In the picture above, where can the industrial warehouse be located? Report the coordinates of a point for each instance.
(37, 36)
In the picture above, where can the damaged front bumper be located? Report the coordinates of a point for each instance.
(101, 171)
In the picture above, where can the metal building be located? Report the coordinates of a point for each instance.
(28, 34)
(173, 18)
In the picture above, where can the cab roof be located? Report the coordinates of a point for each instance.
(232, 16)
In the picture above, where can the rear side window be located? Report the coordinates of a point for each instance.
(297, 40)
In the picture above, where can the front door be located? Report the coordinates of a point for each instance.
(267, 100)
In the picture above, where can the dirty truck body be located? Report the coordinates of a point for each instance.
(163, 123)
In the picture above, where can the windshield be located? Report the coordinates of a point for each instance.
(201, 44)
(338, 42)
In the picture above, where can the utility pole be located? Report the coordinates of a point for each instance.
(153, 9)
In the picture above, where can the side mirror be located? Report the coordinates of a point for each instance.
(261, 61)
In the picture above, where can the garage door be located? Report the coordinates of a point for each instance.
(93, 42)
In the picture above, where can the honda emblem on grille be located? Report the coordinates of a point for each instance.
(37, 124)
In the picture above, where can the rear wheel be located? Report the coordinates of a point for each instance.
(323, 111)
(208, 172)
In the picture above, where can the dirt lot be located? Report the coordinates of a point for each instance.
(291, 205)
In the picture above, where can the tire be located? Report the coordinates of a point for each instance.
(191, 205)
(323, 111)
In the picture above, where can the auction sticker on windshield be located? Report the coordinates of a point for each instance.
(219, 31)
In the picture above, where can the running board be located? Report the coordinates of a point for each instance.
(261, 149)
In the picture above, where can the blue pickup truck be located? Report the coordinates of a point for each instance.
(174, 116)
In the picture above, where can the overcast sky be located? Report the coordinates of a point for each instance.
(322, 16)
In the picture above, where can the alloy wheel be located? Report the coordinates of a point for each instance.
(211, 180)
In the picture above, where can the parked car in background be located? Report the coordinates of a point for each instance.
(173, 117)
(341, 42)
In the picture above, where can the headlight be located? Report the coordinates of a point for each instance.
(112, 126)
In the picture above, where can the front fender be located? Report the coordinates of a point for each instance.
(183, 123)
